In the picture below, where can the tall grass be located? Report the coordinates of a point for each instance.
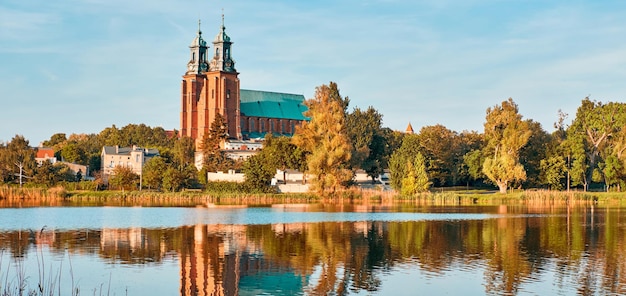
(49, 284)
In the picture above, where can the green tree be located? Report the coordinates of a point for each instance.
(416, 179)
(613, 172)
(368, 143)
(399, 159)
(439, 148)
(73, 152)
(123, 178)
(259, 172)
(595, 125)
(553, 170)
(184, 152)
(531, 154)
(153, 171)
(173, 179)
(214, 158)
(17, 158)
(505, 133)
(473, 161)
(325, 138)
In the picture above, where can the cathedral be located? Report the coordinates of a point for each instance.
(211, 86)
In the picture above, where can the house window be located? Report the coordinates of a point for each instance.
(137, 158)
(112, 164)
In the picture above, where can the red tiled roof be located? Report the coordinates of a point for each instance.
(45, 153)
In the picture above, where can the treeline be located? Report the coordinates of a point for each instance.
(511, 152)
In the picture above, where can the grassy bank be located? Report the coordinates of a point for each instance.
(59, 196)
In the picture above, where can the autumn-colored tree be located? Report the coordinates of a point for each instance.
(416, 179)
(324, 137)
(123, 178)
(505, 133)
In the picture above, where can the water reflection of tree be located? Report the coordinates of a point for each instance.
(585, 246)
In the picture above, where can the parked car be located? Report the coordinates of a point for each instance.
(383, 179)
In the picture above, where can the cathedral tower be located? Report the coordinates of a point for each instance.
(210, 88)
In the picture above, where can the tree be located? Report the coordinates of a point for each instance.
(184, 152)
(258, 172)
(153, 171)
(594, 126)
(325, 138)
(506, 133)
(613, 171)
(214, 158)
(123, 178)
(368, 143)
(553, 171)
(416, 179)
(173, 179)
(17, 160)
(73, 152)
(439, 148)
(400, 157)
(535, 150)
(473, 161)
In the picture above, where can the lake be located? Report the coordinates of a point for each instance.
(315, 249)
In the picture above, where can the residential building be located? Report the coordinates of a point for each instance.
(45, 154)
(133, 157)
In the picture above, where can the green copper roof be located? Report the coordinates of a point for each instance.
(272, 104)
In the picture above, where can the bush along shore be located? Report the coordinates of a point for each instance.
(59, 196)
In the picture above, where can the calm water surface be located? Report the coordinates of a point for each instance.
(316, 250)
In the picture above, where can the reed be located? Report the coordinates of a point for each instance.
(15, 282)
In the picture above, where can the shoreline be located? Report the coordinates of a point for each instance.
(58, 196)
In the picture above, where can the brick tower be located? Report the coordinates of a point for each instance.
(210, 87)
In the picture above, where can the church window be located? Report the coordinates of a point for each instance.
(283, 128)
(228, 93)
(262, 123)
(243, 124)
(293, 127)
(272, 129)
(252, 124)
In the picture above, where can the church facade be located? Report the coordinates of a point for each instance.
(211, 86)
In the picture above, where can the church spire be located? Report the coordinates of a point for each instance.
(222, 60)
(198, 61)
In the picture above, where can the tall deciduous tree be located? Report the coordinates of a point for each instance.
(506, 133)
(324, 136)
(368, 143)
(595, 125)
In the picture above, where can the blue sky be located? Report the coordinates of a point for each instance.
(79, 66)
